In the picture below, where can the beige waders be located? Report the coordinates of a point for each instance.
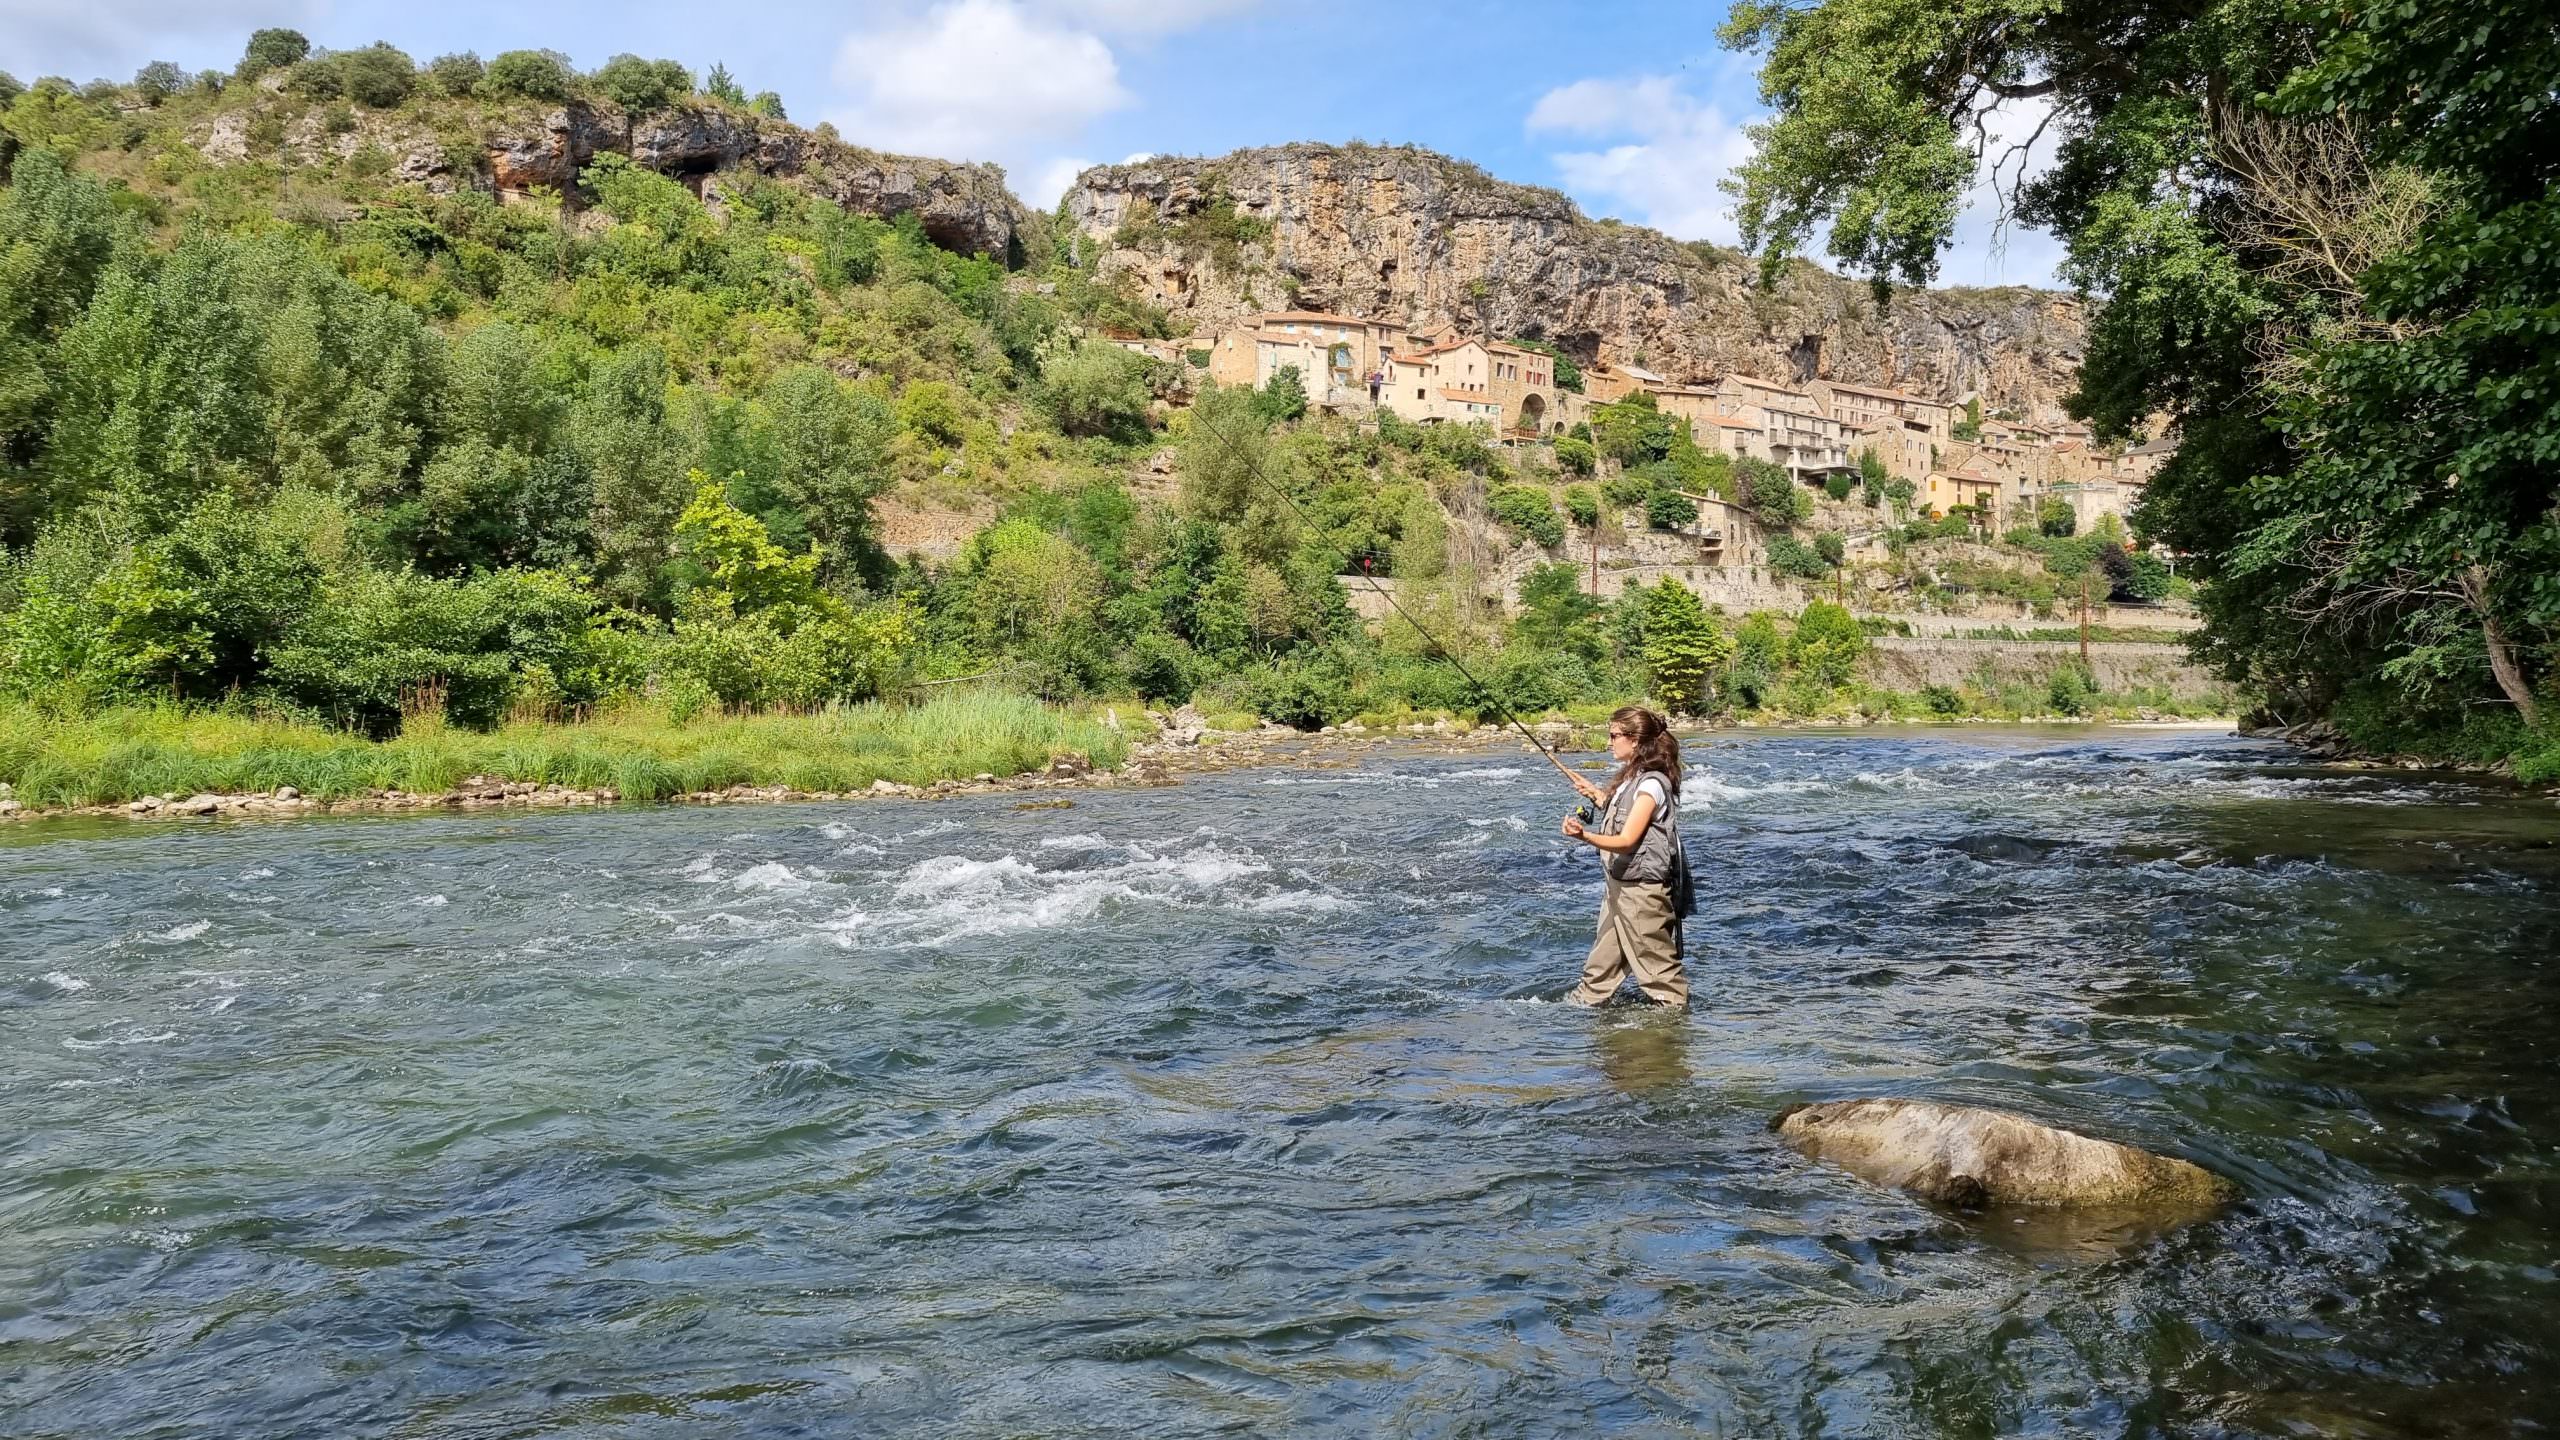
(1637, 932)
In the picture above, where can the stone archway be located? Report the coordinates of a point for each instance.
(1533, 414)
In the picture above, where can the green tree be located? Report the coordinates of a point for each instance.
(1684, 646)
(2055, 517)
(720, 85)
(1529, 510)
(1667, 509)
(1285, 397)
(1828, 644)
(272, 50)
(1555, 614)
(454, 75)
(528, 75)
(1098, 389)
(639, 85)
(158, 81)
(1872, 476)
(1582, 503)
(1776, 500)
(377, 75)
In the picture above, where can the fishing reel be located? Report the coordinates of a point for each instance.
(1588, 812)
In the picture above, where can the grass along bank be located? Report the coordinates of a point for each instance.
(126, 752)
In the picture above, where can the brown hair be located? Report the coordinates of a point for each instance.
(1656, 748)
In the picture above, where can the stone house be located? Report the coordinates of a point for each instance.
(1693, 403)
(1335, 354)
(1416, 380)
(1523, 382)
(1945, 490)
(1467, 407)
(1906, 450)
(1608, 384)
(1733, 439)
(1865, 405)
(1746, 397)
(1810, 446)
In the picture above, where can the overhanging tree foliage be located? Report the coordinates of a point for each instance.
(2328, 250)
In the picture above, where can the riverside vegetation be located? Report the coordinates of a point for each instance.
(297, 460)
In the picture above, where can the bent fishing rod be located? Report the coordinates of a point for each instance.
(1253, 467)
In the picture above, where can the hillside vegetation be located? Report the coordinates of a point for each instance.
(289, 437)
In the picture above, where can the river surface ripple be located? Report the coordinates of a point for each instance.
(1244, 1107)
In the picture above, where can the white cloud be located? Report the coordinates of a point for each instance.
(1675, 151)
(1146, 17)
(1051, 181)
(975, 80)
(86, 39)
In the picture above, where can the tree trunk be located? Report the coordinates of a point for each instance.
(2502, 655)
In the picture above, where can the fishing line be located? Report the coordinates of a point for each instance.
(1254, 468)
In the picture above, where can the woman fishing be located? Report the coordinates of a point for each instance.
(1639, 847)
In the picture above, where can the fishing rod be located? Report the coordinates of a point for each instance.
(1254, 467)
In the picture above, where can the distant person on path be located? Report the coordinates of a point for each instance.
(1377, 380)
(1642, 859)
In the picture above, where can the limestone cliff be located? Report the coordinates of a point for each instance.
(512, 149)
(1410, 235)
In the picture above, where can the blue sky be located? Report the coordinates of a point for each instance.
(1631, 108)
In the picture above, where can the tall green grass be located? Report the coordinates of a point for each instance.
(118, 754)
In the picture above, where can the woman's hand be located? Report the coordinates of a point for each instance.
(1590, 792)
(1572, 828)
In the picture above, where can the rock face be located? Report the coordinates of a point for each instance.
(1970, 1157)
(1405, 234)
(965, 208)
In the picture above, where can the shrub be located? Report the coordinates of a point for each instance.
(1576, 456)
(1163, 667)
(272, 50)
(1776, 500)
(1942, 700)
(1529, 510)
(1832, 548)
(1303, 692)
(1669, 510)
(1838, 484)
(1285, 398)
(1583, 504)
(455, 75)
(1791, 556)
(1627, 488)
(377, 76)
(641, 85)
(2055, 517)
(158, 81)
(769, 105)
(1097, 389)
(527, 75)
(929, 408)
(317, 78)
(2071, 691)
(1828, 644)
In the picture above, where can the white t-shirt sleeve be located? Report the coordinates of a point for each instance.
(1652, 785)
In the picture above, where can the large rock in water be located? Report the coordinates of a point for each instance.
(1971, 1157)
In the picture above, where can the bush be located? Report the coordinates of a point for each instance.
(2071, 691)
(1302, 692)
(455, 75)
(2055, 517)
(272, 50)
(1582, 503)
(639, 85)
(1576, 456)
(1163, 667)
(1791, 556)
(1285, 398)
(1098, 389)
(1669, 510)
(1828, 644)
(1833, 549)
(527, 75)
(157, 81)
(1529, 510)
(1942, 700)
(377, 76)
(1838, 484)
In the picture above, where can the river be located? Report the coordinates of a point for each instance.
(1245, 1107)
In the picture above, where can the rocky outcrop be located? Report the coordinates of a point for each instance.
(1410, 235)
(1966, 1156)
(965, 208)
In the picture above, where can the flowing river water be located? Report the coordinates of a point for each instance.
(1245, 1107)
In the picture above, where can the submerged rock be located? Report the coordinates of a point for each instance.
(1966, 1156)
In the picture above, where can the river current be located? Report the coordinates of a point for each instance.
(1245, 1107)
